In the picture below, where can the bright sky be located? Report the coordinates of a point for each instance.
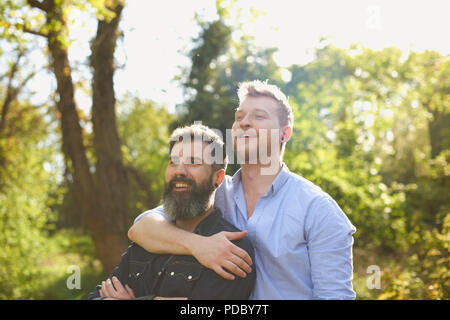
(156, 36)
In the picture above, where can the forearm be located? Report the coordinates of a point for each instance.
(157, 235)
(332, 274)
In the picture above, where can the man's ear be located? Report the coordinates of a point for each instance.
(218, 177)
(286, 133)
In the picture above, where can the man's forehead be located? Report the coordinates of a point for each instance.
(261, 103)
(189, 149)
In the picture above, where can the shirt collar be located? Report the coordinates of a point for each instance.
(207, 226)
(279, 181)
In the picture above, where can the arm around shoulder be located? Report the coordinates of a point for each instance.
(156, 234)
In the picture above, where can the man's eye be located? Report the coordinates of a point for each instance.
(196, 161)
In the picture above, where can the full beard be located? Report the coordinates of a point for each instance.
(189, 204)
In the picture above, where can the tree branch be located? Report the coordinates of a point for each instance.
(44, 5)
(143, 184)
(35, 32)
(11, 92)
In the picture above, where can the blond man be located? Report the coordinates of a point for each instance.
(302, 239)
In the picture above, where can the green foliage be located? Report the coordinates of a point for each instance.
(143, 127)
(64, 249)
(24, 186)
(371, 134)
(371, 129)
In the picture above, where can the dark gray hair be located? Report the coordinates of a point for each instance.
(205, 134)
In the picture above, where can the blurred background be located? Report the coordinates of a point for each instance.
(91, 89)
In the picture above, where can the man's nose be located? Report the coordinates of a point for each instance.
(180, 169)
(245, 122)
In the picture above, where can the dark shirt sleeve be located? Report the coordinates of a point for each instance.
(211, 286)
(120, 272)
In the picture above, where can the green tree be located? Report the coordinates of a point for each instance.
(100, 187)
(218, 65)
(24, 184)
(144, 128)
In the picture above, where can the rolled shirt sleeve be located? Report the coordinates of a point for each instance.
(158, 210)
(329, 236)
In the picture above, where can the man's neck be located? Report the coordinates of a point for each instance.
(256, 183)
(191, 224)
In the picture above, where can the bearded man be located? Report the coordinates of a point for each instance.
(196, 168)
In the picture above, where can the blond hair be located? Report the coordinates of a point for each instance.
(257, 88)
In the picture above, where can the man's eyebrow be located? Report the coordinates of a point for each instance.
(194, 159)
(255, 110)
(261, 110)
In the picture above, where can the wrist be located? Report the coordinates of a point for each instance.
(191, 243)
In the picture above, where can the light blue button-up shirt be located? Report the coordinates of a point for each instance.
(302, 239)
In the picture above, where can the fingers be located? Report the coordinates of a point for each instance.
(119, 287)
(108, 288)
(103, 289)
(130, 292)
(235, 235)
(241, 268)
(221, 272)
(243, 257)
(235, 249)
(230, 266)
(113, 288)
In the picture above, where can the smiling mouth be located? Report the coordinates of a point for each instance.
(181, 186)
(246, 137)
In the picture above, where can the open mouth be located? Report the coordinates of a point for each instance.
(181, 186)
(246, 137)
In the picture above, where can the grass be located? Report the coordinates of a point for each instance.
(65, 249)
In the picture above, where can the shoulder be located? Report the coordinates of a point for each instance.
(157, 210)
(325, 213)
(321, 208)
(299, 193)
(305, 187)
(226, 185)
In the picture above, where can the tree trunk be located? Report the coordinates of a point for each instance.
(102, 197)
(111, 176)
(439, 132)
(72, 136)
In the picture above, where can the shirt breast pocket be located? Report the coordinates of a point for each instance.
(137, 278)
(180, 278)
